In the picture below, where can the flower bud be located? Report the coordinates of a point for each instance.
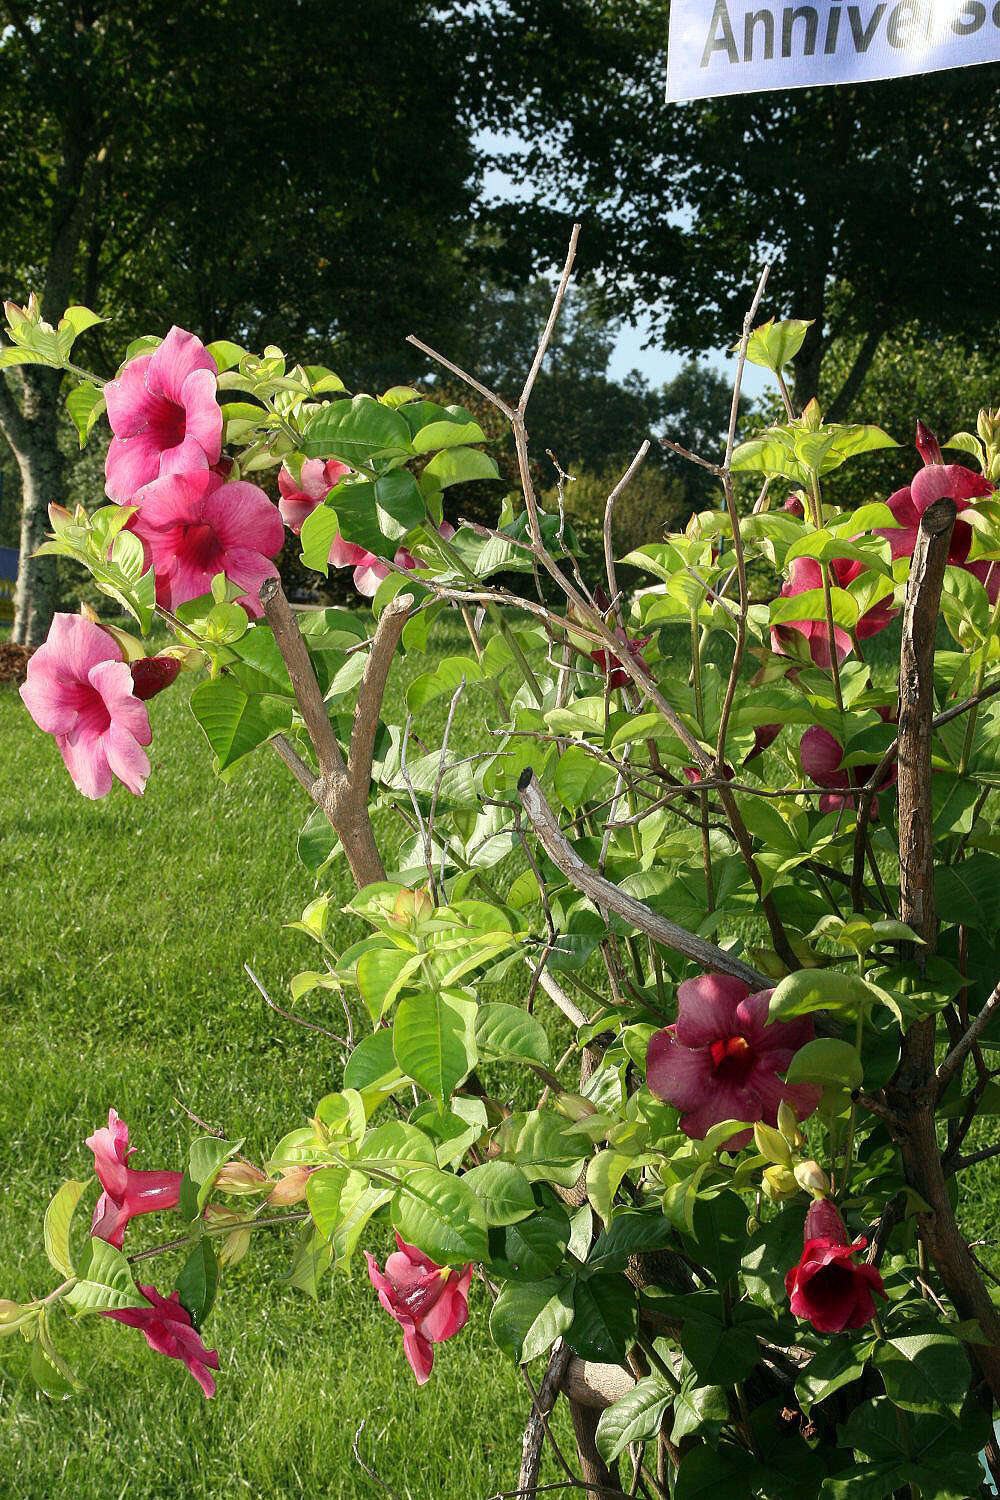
(413, 906)
(779, 1184)
(810, 1175)
(11, 1315)
(291, 1188)
(812, 418)
(988, 426)
(788, 1124)
(772, 1144)
(151, 674)
(928, 446)
(240, 1177)
(234, 1247)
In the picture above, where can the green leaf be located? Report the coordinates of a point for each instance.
(225, 354)
(356, 432)
(969, 893)
(528, 1317)
(434, 1040)
(633, 1418)
(811, 605)
(809, 990)
(720, 1232)
(460, 465)
(85, 403)
(323, 1193)
(399, 505)
(698, 1407)
(104, 1280)
(774, 345)
(316, 537)
(503, 1190)
(629, 1233)
(509, 1032)
(205, 1158)
(235, 721)
(721, 1355)
(605, 1315)
(926, 1372)
(382, 974)
(535, 1142)
(312, 1257)
(827, 1061)
(50, 1372)
(837, 1364)
(371, 1061)
(706, 1472)
(198, 1281)
(579, 777)
(443, 1217)
(532, 1248)
(56, 1226)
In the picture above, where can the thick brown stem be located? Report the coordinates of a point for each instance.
(608, 896)
(541, 1409)
(340, 790)
(594, 1472)
(912, 1093)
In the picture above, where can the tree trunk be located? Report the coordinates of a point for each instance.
(36, 448)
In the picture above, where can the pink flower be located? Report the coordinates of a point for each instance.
(193, 526)
(429, 1302)
(936, 481)
(721, 1059)
(79, 689)
(163, 414)
(127, 1192)
(826, 1287)
(822, 754)
(807, 574)
(371, 570)
(168, 1329)
(300, 500)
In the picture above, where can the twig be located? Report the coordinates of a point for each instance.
(439, 778)
(289, 1015)
(542, 1402)
(956, 1057)
(557, 302)
(184, 1241)
(975, 1157)
(603, 893)
(609, 550)
(476, 385)
(404, 772)
(375, 1478)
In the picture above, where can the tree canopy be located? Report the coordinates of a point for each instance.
(878, 202)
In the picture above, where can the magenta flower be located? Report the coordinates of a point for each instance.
(429, 1302)
(193, 526)
(822, 755)
(298, 501)
(163, 414)
(369, 570)
(936, 481)
(721, 1059)
(807, 574)
(826, 1287)
(167, 1327)
(127, 1192)
(79, 689)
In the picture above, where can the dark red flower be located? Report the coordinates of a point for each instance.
(822, 755)
(827, 1288)
(168, 1329)
(807, 575)
(937, 481)
(151, 674)
(611, 665)
(723, 1059)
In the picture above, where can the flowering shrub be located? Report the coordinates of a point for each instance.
(708, 1168)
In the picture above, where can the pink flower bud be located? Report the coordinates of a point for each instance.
(151, 674)
(928, 446)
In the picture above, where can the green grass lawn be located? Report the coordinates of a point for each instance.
(124, 928)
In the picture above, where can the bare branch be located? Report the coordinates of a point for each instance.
(605, 894)
(557, 302)
(307, 692)
(956, 1057)
(290, 1015)
(287, 752)
(609, 509)
(476, 385)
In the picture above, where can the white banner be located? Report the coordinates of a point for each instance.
(745, 46)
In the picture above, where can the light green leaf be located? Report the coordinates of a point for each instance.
(442, 1216)
(104, 1280)
(503, 1190)
(460, 465)
(634, 1417)
(528, 1317)
(382, 973)
(85, 403)
(434, 1040)
(56, 1226)
(356, 432)
(775, 345)
(508, 1031)
(236, 721)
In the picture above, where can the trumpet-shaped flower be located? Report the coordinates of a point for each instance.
(168, 1329)
(806, 576)
(193, 526)
(721, 1060)
(164, 415)
(298, 501)
(369, 570)
(822, 755)
(827, 1287)
(938, 481)
(428, 1301)
(79, 689)
(127, 1191)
